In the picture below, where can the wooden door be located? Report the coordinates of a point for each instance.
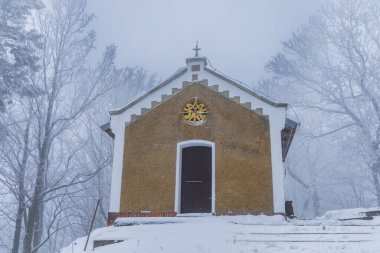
(196, 179)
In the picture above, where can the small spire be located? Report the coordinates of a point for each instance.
(196, 49)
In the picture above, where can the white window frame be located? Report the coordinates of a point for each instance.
(192, 143)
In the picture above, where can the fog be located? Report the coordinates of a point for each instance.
(239, 37)
(59, 80)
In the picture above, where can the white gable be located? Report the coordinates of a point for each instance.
(276, 113)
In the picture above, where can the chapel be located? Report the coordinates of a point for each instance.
(199, 143)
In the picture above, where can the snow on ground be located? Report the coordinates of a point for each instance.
(238, 234)
(348, 213)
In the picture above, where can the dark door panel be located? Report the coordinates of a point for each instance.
(196, 180)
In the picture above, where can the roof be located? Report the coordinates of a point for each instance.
(287, 135)
(291, 123)
(107, 128)
(182, 71)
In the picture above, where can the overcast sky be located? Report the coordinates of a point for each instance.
(239, 36)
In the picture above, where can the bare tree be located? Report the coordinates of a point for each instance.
(305, 170)
(136, 80)
(68, 87)
(18, 46)
(15, 154)
(331, 66)
(56, 159)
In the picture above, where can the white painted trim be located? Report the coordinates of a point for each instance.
(117, 172)
(180, 146)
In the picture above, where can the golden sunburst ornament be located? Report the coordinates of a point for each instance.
(195, 113)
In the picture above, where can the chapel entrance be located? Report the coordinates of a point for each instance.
(196, 179)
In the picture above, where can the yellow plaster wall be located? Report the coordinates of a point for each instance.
(242, 143)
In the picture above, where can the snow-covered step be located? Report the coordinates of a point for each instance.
(102, 243)
(306, 237)
(222, 234)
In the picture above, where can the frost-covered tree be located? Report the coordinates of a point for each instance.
(18, 45)
(55, 159)
(68, 87)
(330, 69)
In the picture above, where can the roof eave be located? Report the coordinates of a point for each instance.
(107, 128)
(292, 127)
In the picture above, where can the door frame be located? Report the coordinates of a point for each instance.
(186, 144)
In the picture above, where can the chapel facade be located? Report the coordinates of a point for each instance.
(199, 142)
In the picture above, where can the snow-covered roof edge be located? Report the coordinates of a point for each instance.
(182, 71)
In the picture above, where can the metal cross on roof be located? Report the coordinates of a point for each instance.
(196, 49)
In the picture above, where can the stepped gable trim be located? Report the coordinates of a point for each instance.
(204, 84)
(176, 75)
(249, 91)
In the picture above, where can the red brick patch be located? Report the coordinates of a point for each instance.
(113, 216)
